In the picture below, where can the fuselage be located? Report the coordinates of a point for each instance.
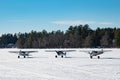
(95, 53)
(22, 53)
(60, 53)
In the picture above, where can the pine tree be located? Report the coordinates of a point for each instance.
(117, 38)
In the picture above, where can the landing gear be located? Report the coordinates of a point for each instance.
(18, 56)
(98, 57)
(62, 56)
(91, 57)
(55, 56)
(24, 57)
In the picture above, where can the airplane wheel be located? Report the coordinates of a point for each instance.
(56, 56)
(98, 57)
(62, 56)
(90, 57)
(18, 56)
(24, 56)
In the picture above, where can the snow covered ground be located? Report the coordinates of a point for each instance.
(44, 66)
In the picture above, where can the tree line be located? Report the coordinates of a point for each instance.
(81, 36)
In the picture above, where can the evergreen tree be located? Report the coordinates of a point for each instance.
(89, 41)
(75, 37)
(106, 40)
(117, 38)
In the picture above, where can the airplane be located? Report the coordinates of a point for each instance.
(61, 53)
(23, 53)
(96, 53)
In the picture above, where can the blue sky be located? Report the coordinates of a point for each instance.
(26, 15)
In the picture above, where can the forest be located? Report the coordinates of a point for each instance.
(81, 36)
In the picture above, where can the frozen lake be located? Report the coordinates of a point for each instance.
(44, 66)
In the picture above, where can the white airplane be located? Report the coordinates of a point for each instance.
(61, 53)
(22, 53)
(95, 52)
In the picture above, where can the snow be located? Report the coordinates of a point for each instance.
(44, 66)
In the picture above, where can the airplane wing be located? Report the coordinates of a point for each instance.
(13, 51)
(23, 51)
(30, 51)
(107, 50)
(88, 52)
(50, 50)
(68, 50)
(59, 50)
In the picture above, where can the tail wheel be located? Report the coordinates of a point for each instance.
(98, 57)
(56, 56)
(91, 57)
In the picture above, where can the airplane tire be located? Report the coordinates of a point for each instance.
(56, 56)
(62, 56)
(98, 57)
(24, 56)
(18, 56)
(91, 57)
